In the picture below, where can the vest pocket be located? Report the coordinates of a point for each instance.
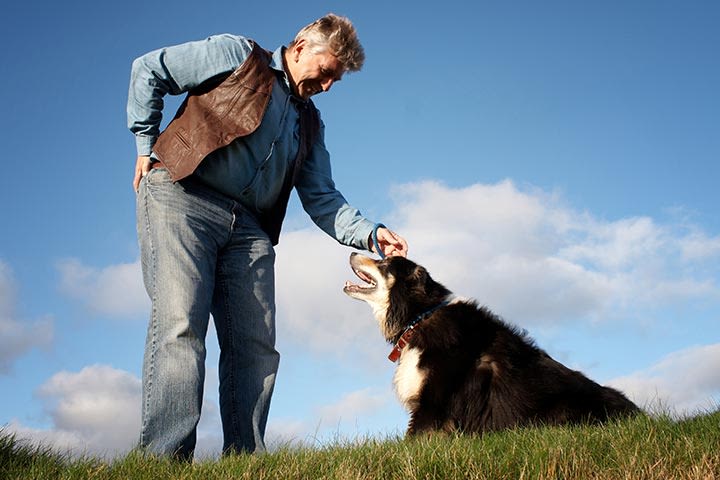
(180, 140)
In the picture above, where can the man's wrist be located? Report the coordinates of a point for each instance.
(144, 144)
(373, 239)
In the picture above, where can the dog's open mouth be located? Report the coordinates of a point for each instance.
(370, 283)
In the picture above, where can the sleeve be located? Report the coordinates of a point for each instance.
(325, 204)
(176, 70)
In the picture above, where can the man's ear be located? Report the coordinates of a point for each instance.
(298, 47)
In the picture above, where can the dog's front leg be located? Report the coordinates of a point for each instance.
(424, 419)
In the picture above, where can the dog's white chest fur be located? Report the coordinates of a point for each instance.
(409, 378)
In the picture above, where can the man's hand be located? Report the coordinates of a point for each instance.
(390, 243)
(142, 167)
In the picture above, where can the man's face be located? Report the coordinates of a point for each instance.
(311, 73)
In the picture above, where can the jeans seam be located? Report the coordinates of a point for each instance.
(153, 318)
(231, 377)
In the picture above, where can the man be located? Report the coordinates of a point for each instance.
(211, 195)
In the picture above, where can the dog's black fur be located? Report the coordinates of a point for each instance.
(474, 372)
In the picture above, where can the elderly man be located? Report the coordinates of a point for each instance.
(212, 191)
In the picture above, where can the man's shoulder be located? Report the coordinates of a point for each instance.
(236, 46)
(230, 38)
(232, 41)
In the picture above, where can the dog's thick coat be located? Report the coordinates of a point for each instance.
(464, 369)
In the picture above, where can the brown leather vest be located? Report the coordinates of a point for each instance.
(222, 110)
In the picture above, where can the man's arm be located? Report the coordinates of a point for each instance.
(332, 213)
(174, 70)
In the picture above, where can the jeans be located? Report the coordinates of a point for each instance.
(202, 253)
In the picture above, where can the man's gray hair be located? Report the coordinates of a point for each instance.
(335, 34)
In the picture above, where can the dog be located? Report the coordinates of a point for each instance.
(464, 369)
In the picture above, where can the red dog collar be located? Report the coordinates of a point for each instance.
(410, 331)
(402, 343)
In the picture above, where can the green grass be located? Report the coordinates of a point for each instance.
(645, 447)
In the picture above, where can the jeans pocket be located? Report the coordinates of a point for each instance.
(157, 176)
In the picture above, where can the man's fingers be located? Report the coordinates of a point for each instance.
(395, 244)
(142, 167)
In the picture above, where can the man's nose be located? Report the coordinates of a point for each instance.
(326, 84)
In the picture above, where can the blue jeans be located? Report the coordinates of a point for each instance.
(202, 253)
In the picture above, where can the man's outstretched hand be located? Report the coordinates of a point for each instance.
(390, 243)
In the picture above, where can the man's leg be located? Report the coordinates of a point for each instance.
(176, 230)
(244, 315)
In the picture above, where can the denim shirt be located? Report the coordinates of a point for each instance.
(250, 170)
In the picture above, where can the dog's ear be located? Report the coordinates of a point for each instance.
(419, 274)
(425, 286)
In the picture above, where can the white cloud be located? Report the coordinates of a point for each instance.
(326, 422)
(97, 395)
(620, 245)
(685, 382)
(351, 406)
(536, 260)
(282, 432)
(94, 411)
(58, 440)
(116, 290)
(697, 245)
(18, 336)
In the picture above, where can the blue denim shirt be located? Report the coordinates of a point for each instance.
(252, 168)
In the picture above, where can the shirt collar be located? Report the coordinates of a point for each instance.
(276, 63)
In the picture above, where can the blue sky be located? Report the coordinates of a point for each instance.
(557, 161)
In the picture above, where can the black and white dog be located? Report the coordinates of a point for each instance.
(462, 368)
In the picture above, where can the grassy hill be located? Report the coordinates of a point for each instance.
(640, 448)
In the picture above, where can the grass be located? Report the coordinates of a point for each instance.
(646, 447)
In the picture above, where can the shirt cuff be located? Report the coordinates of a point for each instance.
(144, 144)
(363, 232)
